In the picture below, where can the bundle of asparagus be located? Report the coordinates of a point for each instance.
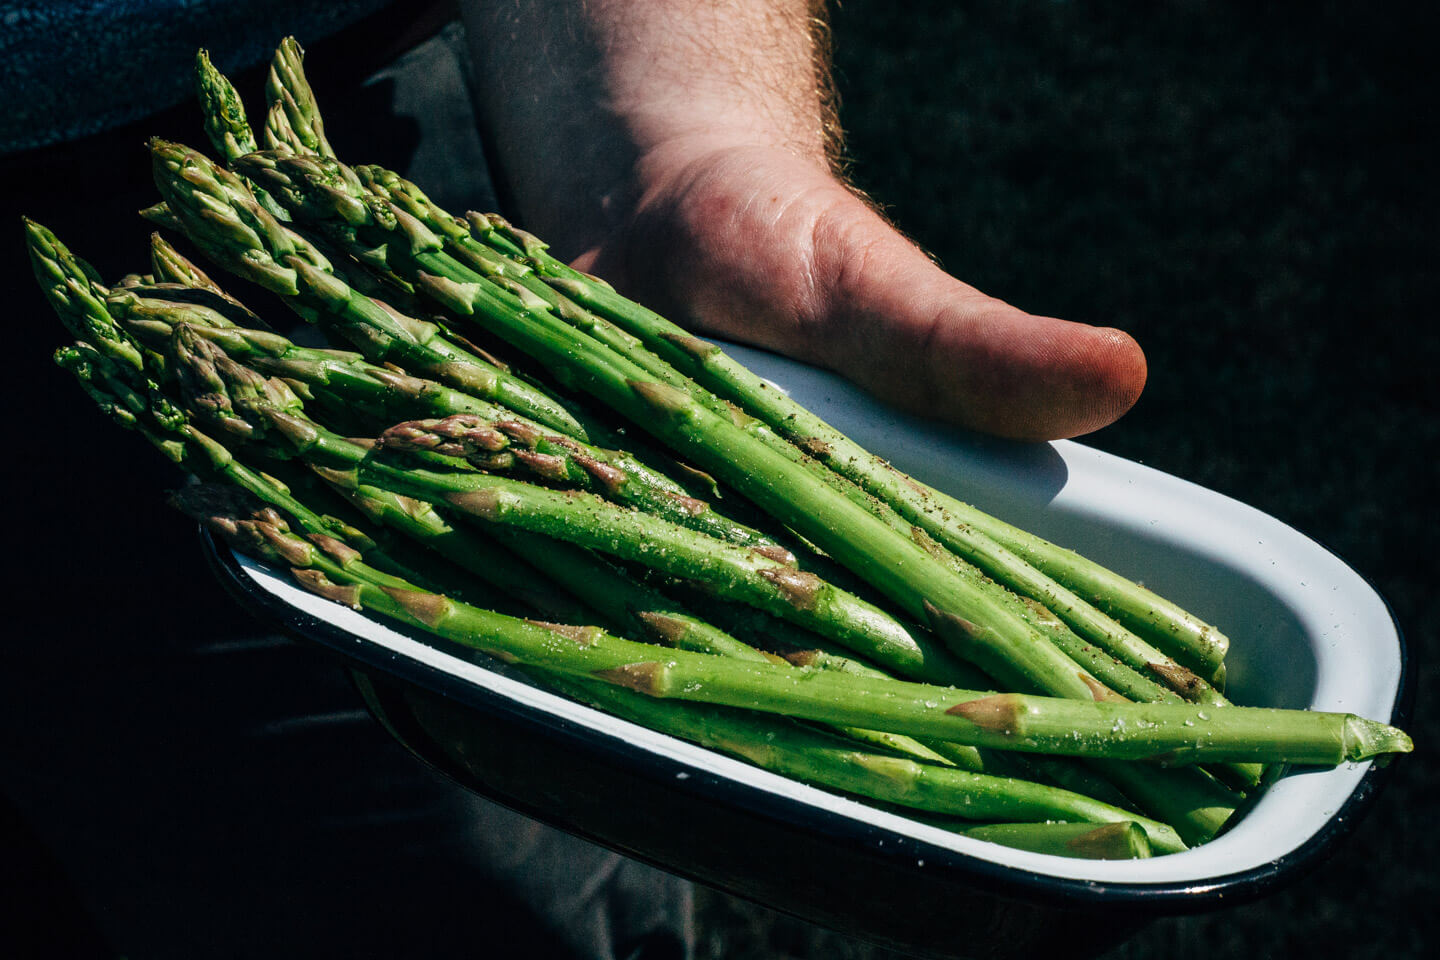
(951, 663)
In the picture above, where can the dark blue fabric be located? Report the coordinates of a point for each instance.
(74, 67)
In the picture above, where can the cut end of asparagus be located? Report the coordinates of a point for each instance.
(1113, 841)
(1370, 738)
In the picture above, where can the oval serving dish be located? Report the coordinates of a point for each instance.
(1307, 632)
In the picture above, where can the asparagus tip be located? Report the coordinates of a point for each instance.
(1370, 738)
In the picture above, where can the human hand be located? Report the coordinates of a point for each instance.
(734, 224)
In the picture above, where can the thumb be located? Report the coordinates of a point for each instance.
(901, 327)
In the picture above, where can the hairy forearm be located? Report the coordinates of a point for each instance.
(582, 100)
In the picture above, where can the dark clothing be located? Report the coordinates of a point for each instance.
(73, 68)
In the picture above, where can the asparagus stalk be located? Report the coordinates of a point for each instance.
(1171, 733)
(1113, 841)
(222, 217)
(458, 241)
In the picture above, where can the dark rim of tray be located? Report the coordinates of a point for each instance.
(999, 879)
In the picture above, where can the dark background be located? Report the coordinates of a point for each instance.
(1249, 192)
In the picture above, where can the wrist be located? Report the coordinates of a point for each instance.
(590, 107)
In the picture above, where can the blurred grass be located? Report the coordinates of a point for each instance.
(1248, 190)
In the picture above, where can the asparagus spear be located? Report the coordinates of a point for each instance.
(294, 122)
(1171, 733)
(220, 214)
(1113, 841)
(328, 188)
